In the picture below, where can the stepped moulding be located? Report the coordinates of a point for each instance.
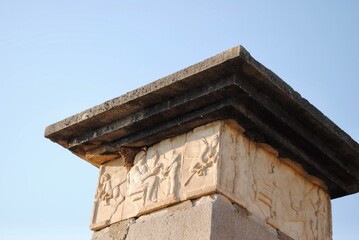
(225, 127)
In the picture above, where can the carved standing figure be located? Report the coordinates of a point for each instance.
(106, 191)
(171, 171)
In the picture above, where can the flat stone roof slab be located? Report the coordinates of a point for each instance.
(230, 85)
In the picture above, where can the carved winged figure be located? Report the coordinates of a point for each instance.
(207, 157)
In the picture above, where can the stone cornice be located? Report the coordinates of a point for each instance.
(230, 85)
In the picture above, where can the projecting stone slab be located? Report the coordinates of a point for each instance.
(230, 85)
(225, 127)
(215, 158)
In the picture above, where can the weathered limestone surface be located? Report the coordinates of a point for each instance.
(287, 198)
(216, 157)
(188, 223)
(211, 217)
(116, 231)
(229, 221)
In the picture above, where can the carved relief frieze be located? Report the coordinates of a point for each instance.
(270, 189)
(111, 193)
(216, 157)
(201, 157)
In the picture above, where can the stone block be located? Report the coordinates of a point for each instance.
(188, 223)
(229, 222)
(211, 217)
(116, 231)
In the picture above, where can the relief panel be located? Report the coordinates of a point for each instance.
(199, 172)
(252, 175)
(111, 193)
(216, 157)
(170, 171)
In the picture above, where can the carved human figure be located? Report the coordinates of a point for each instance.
(106, 191)
(304, 215)
(321, 212)
(264, 188)
(171, 171)
(311, 207)
(142, 180)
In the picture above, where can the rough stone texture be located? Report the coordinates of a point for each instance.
(230, 85)
(116, 231)
(230, 223)
(189, 223)
(211, 217)
(208, 218)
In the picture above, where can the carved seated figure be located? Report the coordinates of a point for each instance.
(104, 192)
(142, 181)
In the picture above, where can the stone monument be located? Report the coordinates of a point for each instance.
(223, 149)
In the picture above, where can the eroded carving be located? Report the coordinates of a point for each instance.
(272, 190)
(107, 190)
(142, 180)
(111, 193)
(172, 173)
(207, 157)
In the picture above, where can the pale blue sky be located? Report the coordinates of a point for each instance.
(58, 58)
